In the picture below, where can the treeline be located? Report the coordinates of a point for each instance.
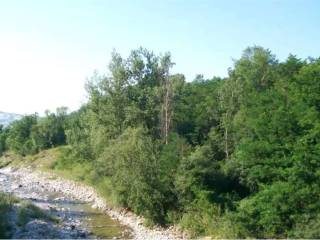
(235, 157)
(32, 133)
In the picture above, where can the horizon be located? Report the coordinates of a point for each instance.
(49, 49)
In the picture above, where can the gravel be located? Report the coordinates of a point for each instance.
(48, 182)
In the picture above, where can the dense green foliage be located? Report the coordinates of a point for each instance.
(233, 157)
(32, 133)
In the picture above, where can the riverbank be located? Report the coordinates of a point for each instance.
(54, 183)
(31, 215)
(39, 212)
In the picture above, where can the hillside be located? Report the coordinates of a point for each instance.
(233, 157)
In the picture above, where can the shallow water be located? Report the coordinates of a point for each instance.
(96, 222)
(73, 213)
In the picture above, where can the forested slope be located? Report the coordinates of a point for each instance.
(232, 157)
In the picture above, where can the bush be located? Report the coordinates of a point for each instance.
(134, 169)
(306, 227)
(28, 211)
(276, 209)
(6, 202)
(204, 218)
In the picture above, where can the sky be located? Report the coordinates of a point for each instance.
(48, 48)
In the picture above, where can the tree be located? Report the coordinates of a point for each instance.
(19, 137)
(134, 173)
(3, 137)
(232, 157)
(166, 64)
(50, 130)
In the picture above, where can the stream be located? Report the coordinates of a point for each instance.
(76, 219)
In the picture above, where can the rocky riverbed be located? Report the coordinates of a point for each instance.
(82, 213)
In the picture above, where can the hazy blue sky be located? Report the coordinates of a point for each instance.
(48, 48)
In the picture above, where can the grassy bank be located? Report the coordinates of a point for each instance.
(6, 203)
(25, 212)
(59, 161)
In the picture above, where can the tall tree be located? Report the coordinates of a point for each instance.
(168, 93)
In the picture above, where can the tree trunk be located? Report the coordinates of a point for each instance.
(167, 109)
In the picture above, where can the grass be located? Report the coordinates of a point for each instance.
(9, 158)
(60, 162)
(64, 165)
(42, 160)
(27, 211)
(6, 203)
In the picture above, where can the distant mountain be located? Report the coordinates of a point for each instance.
(7, 118)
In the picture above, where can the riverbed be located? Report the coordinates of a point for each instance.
(76, 219)
(80, 209)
